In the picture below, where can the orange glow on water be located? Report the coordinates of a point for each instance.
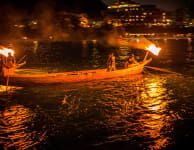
(17, 128)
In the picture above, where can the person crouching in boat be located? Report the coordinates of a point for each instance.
(130, 62)
(111, 62)
(8, 65)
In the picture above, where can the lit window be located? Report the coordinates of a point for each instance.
(144, 13)
(109, 22)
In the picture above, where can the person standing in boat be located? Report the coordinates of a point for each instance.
(111, 62)
(8, 65)
(10, 61)
(130, 61)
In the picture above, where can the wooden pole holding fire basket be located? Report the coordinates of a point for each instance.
(146, 55)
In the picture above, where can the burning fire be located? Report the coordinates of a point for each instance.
(5, 51)
(152, 48)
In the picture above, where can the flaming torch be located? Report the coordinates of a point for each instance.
(152, 48)
(5, 51)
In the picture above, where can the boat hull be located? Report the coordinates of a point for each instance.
(71, 77)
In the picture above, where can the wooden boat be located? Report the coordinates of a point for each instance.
(70, 77)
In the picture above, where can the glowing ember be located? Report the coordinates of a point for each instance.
(5, 51)
(155, 50)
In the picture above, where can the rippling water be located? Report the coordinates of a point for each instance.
(153, 110)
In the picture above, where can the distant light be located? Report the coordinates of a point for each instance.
(19, 26)
(51, 37)
(24, 37)
(34, 22)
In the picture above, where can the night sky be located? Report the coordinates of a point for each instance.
(88, 6)
(94, 5)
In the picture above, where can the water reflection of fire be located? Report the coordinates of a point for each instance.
(153, 123)
(15, 128)
(9, 89)
(143, 114)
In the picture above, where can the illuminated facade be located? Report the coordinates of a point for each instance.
(131, 13)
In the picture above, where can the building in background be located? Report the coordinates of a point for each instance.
(182, 17)
(126, 13)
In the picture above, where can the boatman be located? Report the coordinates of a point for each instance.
(130, 62)
(111, 62)
(10, 60)
(8, 65)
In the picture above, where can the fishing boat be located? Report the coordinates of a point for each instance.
(9, 76)
(70, 77)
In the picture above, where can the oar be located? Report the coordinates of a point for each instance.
(21, 59)
(7, 82)
(163, 70)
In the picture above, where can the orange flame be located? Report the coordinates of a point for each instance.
(152, 48)
(5, 51)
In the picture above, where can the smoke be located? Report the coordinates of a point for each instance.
(10, 21)
(133, 42)
(16, 25)
(139, 43)
(45, 14)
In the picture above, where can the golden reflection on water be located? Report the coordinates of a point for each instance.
(140, 110)
(156, 123)
(8, 89)
(16, 128)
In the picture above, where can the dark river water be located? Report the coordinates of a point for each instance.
(152, 110)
